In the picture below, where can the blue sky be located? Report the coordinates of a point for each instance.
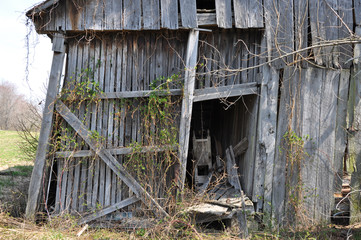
(13, 50)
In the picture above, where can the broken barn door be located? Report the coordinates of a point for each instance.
(112, 163)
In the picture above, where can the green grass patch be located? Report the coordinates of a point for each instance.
(10, 153)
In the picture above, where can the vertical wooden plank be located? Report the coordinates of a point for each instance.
(113, 13)
(63, 183)
(331, 21)
(285, 29)
(187, 103)
(357, 10)
(59, 163)
(301, 31)
(317, 24)
(241, 10)
(224, 13)
(151, 17)
(266, 133)
(283, 125)
(132, 14)
(311, 102)
(354, 144)
(169, 14)
(255, 14)
(188, 11)
(341, 129)
(35, 186)
(345, 50)
(325, 173)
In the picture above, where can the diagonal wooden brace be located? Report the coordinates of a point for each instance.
(106, 156)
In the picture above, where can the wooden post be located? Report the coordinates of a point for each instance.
(46, 127)
(187, 103)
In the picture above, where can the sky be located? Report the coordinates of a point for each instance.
(13, 51)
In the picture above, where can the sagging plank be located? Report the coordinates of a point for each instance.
(108, 210)
(225, 91)
(187, 104)
(115, 151)
(46, 127)
(106, 156)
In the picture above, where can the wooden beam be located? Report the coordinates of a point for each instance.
(108, 210)
(46, 127)
(187, 103)
(137, 94)
(115, 151)
(225, 91)
(106, 156)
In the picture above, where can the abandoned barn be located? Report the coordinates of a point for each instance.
(147, 98)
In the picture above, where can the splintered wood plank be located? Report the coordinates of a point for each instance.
(224, 13)
(107, 158)
(267, 119)
(45, 131)
(241, 13)
(62, 184)
(188, 11)
(325, 173)
(113, 13)
(169, 14)
(255, 14)
(132, 14)
(341, 129)
(108, 210)
(151, 17)
(283, 125)
(187, 103)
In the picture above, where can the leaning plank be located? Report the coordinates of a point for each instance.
(224, 92)
(232, 171)
(106, 156)
(224, 13)
(187, 103)
(45, 131)
(241, 147)
(115, 151)
(188, 13)
(169, 14)
(108, 210)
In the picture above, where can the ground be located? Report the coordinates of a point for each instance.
(14, 180)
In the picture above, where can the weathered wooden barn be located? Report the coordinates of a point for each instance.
(282, 74)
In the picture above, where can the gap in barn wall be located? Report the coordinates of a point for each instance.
(226, 126)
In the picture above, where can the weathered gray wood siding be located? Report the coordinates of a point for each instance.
(312, 105)
(69, 15)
